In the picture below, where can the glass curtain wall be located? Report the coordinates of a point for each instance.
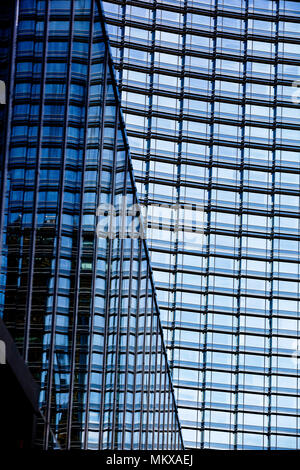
(79, 302)
(209, 91)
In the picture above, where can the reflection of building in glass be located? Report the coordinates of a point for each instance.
(82, 309)
(207, 91)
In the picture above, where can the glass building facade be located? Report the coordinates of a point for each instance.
(80, 303)
(213, 118)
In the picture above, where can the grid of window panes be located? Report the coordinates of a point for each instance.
(81, 308)
(212, 118)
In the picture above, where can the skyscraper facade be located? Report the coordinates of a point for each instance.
(76, 288)
(209, 92)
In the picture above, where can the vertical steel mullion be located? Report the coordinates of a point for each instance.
(150, 363)
(120, 290)
(58, 243)
(121, 59)
(136, 338)
(167, 410)
(117, 353)
(162, 414)
(159, 401)
(144, 348)
(215, 18)
(35, 196)
(270, 319)
(240, 241)
(178, 186)
(153, 313)
(109, 262)
(128, 338)
(9, 113)
(171, 428)
(79, 249)
(165, 406)
(149, 113)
